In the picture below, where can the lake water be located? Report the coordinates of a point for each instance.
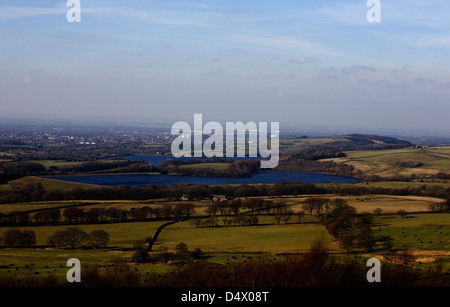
(142, 180)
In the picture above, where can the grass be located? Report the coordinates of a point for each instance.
(121, 235)
(48, 184)
(291, 145)
(21, 263)
(24, 207)
(384, 162)
(58, 163)
(368, 203)
(426, 232)
(244, 239)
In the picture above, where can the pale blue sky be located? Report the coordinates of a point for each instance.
(307, 62)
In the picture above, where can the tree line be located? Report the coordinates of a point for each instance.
(72, 237)
(34, 191)
(14, 170)
(76, 215)
(239, 168)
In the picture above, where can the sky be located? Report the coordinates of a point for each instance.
(317, 63)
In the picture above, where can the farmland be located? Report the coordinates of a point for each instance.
(387, 163)
(255, 221)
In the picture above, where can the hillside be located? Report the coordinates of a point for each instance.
(415, 162)
(348, 142)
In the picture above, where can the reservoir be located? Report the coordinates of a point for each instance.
(142, 180)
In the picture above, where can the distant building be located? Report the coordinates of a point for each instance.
(216, 197)
(185, 197)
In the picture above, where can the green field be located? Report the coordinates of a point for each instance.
(48, 184)
(121, 235)
(426, 235)
(424, 232)
(25, 207)
(20, 263)
(243, 239)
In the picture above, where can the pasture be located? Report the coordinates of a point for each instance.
(385, 163)
(423, 232)
(283, 238)
(121, 235)
(47, 183)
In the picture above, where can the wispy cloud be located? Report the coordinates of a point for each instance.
(10, 12)
(304, 60)
(357, 69)
(286, 42)
(346, 13)
(165, 17)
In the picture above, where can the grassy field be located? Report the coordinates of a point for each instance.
(424, 232)
(199, 206)
(24, 207)
(243, 239)
(384, 162)
(292, 145)
(48, 184)
(121, 235)
(368, 203)
(20, 263)
(58, 163)
(426, 235)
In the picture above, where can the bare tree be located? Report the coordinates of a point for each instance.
(75, 237)
(11, 237)
(98, 238)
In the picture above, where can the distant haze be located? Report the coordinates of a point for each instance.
(310, 63)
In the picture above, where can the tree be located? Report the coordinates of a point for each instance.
(164, 254)
(27, 238)
(75, 237)
(114, 214)
(58, 239)
(277, 218)
(140, 254)
(94, 214)
(286, 216)
(314, 203)
(167, 211)
(11, 237)
(402, 213)
(181, 248)
(197, 253)
(299, 215)
(365, 237)
(196, 221)
(347, 239)
(187, 210)
(182, 252)
(377, 211)
(73, 214)
(98, 238)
